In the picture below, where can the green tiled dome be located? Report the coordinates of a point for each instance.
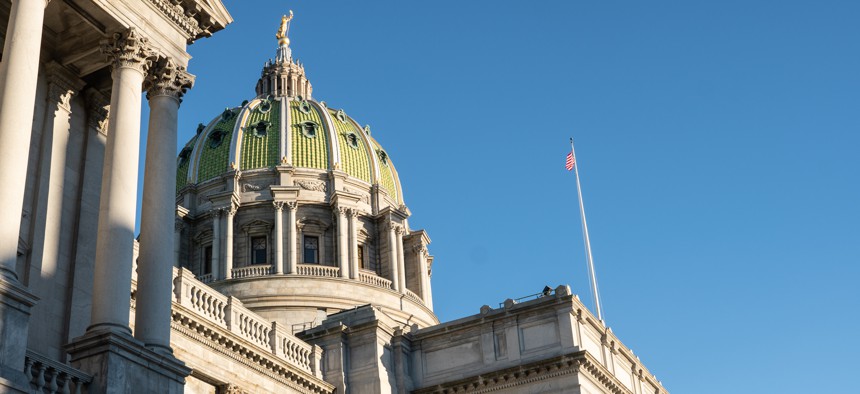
(267, 132)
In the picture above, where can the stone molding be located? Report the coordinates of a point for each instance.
(577, 362)
(128, 49)
(178, 15)
(168, 79)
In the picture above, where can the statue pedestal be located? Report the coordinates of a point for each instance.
(15, 304)
(121, 364)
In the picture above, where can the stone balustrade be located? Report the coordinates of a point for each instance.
(318, 270)
(252, 271)
(228, 313)
(413, 297)
(49, 376)
(205, 278)
(373, 279)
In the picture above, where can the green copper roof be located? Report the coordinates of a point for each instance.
(184, 163)
(353, 150)
(215, 158)
(310, 152)
(387, 175)
(260, 149)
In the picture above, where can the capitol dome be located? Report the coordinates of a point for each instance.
(295, 209)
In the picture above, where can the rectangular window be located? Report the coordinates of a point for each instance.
(259, 250)
(207, 260)
(312, 250)
(361, 262)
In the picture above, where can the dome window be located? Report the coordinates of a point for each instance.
(184, 155)
(216, 138)
(383, 157)
(264, 107)
(260, 129)
(227, 114)
(341, 116)
(200, 127)
(352, 139)
(309, 129)
(305, 107)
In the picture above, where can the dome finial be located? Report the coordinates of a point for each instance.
(284, 30)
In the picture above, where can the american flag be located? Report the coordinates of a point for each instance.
(570, 161)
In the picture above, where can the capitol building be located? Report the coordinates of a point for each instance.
(275, 252)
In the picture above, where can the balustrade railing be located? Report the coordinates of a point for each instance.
(372, 279)
(50, 376)
(252, 271)
(229, 313)
(318, 270)
(414, 297)
(205, 278)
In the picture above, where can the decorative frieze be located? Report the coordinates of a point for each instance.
(317, 186)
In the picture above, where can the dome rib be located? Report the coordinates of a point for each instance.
(334, 147)
(285, 154)
(368, 146)
(236, 140)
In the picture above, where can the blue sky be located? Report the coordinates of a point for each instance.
(716, 142)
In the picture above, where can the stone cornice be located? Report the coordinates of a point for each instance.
(578, 362)
(221, 341)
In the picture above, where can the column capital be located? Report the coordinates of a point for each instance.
(128, 49)
(179, 225)
(279, 205)
(62, 85)
(166, 78)
(397, 228)
(354, 212)
(343, 211)
(292, 205)
(98, 111)
(232, 209)
(216, 212)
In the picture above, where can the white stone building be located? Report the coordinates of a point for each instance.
(289, 206)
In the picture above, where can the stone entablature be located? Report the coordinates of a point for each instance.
(467, 352)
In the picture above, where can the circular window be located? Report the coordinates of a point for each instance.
(383, 157)
(352, 139)
(341, 116)
(305, 107)
(309, 129)
(261, 128)
(216, 138)
(264, 107)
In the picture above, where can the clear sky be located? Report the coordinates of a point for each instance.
(717, 144)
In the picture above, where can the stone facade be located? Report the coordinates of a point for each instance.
(290, 265)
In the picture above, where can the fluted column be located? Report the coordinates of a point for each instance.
(18, 73)
(167, 84)
(353, 244)
(342, 250)
(393, 263)
(401, 266)
(292, 250)
(131, 57)
(216, 243)
(279, 237)
(228, 238)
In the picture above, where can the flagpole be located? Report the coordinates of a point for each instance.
(585, 237)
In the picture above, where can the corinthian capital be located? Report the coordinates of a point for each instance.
(128, 49)
(167, 78)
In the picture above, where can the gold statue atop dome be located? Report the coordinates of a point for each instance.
(284, 30)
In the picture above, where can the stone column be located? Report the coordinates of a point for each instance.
(18, 72)
(342, 250)
(424, 277)
(167, 84)
(393, 261)
(353, 244)
(178, 226)
(216, 243)
(130, 56)
(292, 250)
(401, 266)
(228, 238)
(279, 237)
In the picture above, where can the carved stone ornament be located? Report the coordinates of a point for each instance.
(292, 205)
(128, 49)
(61, 96)
(231, 388)
(279, 205)
(216, 212)
(232, 209)
(168, 79)
(98, 111)
(174, 11)
(317, 186)
(250, 187)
